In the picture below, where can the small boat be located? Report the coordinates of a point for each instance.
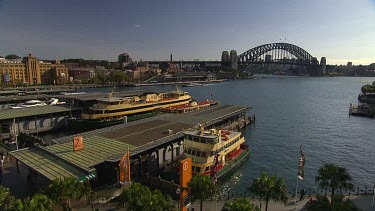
(187, 107)
(33, 103)
(215, 152)
(55, 101)
(192, 84)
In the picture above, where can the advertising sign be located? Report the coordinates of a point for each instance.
(185, 177)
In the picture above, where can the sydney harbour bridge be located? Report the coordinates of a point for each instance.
(272, 53)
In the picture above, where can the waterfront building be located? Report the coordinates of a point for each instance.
(30, 70)
(81, 74)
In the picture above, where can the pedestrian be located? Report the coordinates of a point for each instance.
(11, 158)
(302, 192)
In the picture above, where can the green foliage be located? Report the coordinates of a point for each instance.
(334, 177)
(62, 191)
(12, 56)
(337, 203)
(39, 202)
(201, 187)
(9, 202)
(137, 197)
(239, 204)
(368, 88)
(269, 188)
(118, 76)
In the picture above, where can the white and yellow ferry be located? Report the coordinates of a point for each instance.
(215, 152)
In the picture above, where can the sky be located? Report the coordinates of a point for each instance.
(340, 30)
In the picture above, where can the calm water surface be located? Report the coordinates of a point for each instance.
(311, 111)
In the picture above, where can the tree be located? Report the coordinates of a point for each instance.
(63, 191)
(337, 203)
(138, 197)
(12, 56)
(201, 187)
(269, 188)
(334, 177)
(39, 202)
(239, 204)
(9, 202)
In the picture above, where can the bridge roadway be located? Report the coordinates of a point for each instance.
(156, 140)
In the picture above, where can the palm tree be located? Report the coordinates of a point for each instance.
(269, 188)
(239, 204)
(39, 202)
(334, 177)
(138, 197)
(63, 191)
(9, 202)
(201, 187)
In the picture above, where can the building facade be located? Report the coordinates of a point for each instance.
(30, 70)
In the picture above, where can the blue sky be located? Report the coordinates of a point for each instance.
(341, 30)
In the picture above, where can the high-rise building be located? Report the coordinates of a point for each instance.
(323, 64)
(124, 59)
(30, 70)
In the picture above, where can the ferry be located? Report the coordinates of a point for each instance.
(215, 152)
(114, 110)
(189, 107)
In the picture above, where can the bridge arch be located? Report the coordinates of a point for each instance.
(301, 56)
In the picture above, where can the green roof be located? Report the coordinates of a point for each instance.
(34, 111)
(49, 165)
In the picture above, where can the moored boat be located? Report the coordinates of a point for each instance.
(215, 152)
(188, 107)
(113, 110)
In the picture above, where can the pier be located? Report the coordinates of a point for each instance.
(153, 142)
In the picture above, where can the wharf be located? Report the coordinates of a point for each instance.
(361, 110)
(159, 136)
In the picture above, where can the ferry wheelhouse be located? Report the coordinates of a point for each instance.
(215, 152)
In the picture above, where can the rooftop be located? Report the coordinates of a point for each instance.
(6, 114)
(109, 144)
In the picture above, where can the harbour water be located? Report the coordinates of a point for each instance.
(294, 110)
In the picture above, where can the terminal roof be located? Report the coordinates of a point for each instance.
(109, 144)
(6, 114)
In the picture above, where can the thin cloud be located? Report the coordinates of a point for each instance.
(137, 26)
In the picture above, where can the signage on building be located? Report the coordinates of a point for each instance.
(77, 143)
(185, 177)
(125, 169)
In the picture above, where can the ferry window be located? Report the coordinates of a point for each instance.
(204, 154)
(193, 152)
(207, 168)
(202, 140)
(198, 169)
(189, 151)
(196, 139)
(193, 168)
(185, 150)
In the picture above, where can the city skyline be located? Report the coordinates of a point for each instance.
(338, 30)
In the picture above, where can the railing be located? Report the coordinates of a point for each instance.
(309, 192)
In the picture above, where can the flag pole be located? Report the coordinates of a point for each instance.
(373, 196)
(295, 200)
